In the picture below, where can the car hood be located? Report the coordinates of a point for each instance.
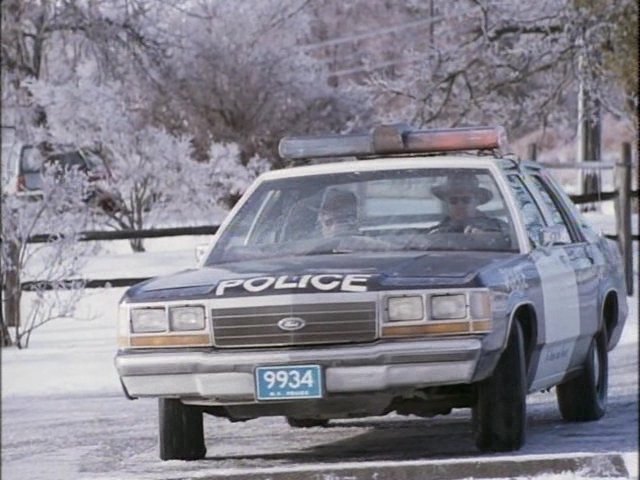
(312, 274)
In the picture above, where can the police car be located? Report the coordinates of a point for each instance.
(434, 272)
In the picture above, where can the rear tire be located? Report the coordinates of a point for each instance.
(306, 422)
(181, 431)
(499, 415)
(584, 398)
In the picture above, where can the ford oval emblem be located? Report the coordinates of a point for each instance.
(291, 324)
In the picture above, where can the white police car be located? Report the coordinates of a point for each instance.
(414, 281)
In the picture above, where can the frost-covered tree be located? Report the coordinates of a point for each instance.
(481, 61)
(99, 83)
(514, 63)
(59, 42)
(616, 48)
(236, 72)
(59, 211)
(34, 34)
(155, 178)
(248, 72)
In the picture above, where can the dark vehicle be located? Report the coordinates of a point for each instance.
(415, 282)
(33, 162)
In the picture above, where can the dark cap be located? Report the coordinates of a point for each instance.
(460, 184)
(340, 204)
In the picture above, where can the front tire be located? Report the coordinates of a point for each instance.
(181, 431)
(584, 398)
(499, 415)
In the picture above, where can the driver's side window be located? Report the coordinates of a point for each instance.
(532, 216)
(557, 217)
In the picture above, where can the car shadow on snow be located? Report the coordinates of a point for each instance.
(447, 437)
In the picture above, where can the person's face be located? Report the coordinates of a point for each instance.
(461, 205)
(329, 224)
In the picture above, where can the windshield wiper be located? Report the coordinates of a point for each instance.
(327, 251)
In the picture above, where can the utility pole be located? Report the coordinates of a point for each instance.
(582, 124)
(589, 132)
(431, 23)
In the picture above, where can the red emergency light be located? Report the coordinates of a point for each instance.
(394, 140)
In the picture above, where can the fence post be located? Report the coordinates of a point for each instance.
(623, 214)
(11, 287)
(532, 152)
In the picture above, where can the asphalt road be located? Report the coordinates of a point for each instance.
(68, 437)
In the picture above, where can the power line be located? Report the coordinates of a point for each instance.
(369, 34)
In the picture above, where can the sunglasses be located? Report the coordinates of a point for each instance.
(465, 200)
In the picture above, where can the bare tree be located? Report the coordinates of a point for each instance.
(59, 210)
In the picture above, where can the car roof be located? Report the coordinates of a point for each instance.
(392, 163)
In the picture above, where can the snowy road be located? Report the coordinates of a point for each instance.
(68, 436)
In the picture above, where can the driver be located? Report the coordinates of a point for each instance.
(462, 195)
(339, 213)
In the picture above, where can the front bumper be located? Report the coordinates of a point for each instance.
(226, 377)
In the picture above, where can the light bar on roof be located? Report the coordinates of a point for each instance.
(394, 139)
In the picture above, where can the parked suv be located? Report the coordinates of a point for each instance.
(31, 162)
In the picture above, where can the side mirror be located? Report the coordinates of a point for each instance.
(201, 251)
(554, 235)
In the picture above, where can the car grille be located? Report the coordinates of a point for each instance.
(324, 323)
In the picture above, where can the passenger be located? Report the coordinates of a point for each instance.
(463, 195)
(339, 213)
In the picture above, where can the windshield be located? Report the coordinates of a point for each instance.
(30, 160)
(69, 160)
(359, 212)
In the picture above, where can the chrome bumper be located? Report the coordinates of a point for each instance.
(226, 377)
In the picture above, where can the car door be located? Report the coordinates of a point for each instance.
(583, 259)
(556, 299)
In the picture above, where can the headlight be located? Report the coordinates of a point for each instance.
(186, 318)
(405, 308)
(445, 307)
(147, 320)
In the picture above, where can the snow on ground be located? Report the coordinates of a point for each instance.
(68, 355)
(75, 356)
(80, 350)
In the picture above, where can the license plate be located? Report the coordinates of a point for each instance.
(288, 382)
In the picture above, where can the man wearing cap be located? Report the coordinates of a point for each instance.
(339, 213)
(462, 195)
